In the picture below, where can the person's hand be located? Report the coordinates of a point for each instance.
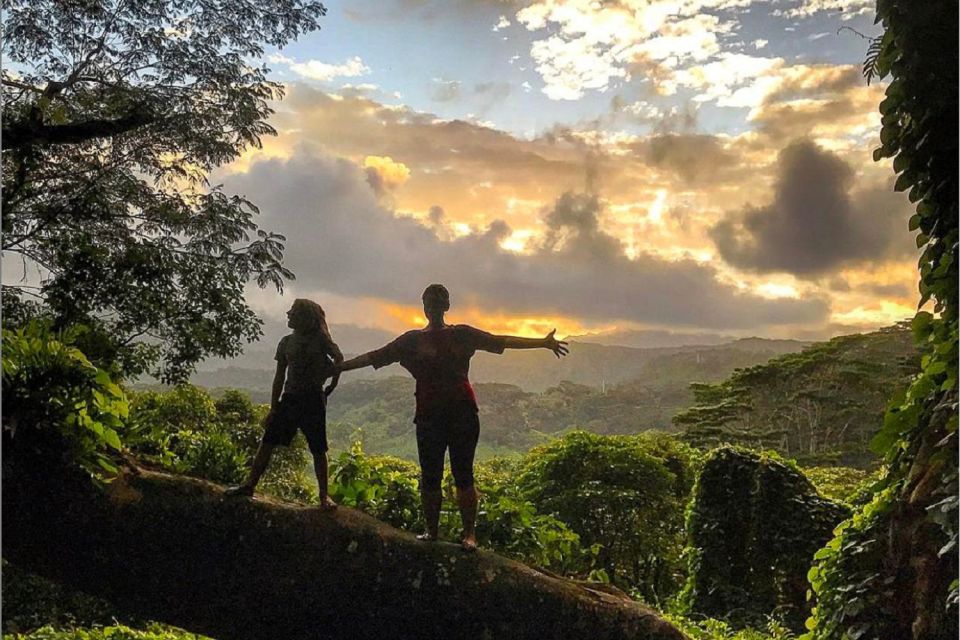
(333, 385)
(559, 347)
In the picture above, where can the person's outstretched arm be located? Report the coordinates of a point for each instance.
(549, 341)
(377, 358)
(361, 361)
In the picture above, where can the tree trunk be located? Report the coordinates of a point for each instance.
(174, 549)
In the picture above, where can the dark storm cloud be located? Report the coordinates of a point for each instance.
(341, 240)
(816, 221)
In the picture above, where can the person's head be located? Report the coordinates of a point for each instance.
(436, 301)
(306, 316)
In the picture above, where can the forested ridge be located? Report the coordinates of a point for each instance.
(762, 516)
(822, 404)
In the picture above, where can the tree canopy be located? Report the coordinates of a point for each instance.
(115, 113)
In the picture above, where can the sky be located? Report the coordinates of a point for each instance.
(690, 165)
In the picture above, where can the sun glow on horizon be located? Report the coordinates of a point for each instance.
(883, 314)
(406, 317)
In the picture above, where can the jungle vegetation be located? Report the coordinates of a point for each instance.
(144, 267)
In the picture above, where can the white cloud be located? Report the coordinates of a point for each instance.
(588, 45)
(503, 23)
(569, 67)
(760, 43)
(316, 70)
(732, 79)
(280, 59)
(849, 8)
(644, 110)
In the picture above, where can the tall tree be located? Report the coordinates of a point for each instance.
(115, 113)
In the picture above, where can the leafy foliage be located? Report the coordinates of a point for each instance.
(609, 489)
(152, 631)
(892, 570)
(712, 629)
(54, 396)
(185, 431)
(754, 525)
(383, 486)
(114, 114)
(388, 488)
(35, 608)
(820, 405)
(843, 484)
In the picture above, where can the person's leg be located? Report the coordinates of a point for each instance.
(259, 466)
(463, 447)
(468, 500)
(315, 417)
(431, 448)
(320, 465)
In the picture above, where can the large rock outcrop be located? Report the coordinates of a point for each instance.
(176, 550)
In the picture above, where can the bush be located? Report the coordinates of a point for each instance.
(54, 396)
(152, 631)
(711, 629)
(383, 486)
(843, 484)
(754, 525)
(185, 431)
(624, 494)
(388, 488)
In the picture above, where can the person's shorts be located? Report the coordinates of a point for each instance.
(459, 432)
(305, 412)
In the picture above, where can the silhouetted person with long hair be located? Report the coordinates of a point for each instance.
(438, 357)
(305, 359)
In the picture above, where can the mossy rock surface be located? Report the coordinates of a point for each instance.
(175, 549)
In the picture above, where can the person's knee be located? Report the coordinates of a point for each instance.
(467, 493)
(430, 483)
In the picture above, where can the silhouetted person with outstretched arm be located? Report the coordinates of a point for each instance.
(438, 357)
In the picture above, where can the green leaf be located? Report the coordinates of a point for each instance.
(112, 439)
(904, 181)
(106, 465)
(937, 367)
(914, 223)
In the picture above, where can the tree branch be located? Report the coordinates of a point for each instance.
(22, 134)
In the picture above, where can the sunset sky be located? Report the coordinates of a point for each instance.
(692, 165)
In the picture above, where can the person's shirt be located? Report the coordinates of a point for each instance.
(439, 360)
(308, 360)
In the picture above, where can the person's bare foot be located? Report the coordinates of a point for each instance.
(238, 491)
(327, 504)
(427, 537)
(469, 543)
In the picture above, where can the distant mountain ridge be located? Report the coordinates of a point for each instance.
(652, 338)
